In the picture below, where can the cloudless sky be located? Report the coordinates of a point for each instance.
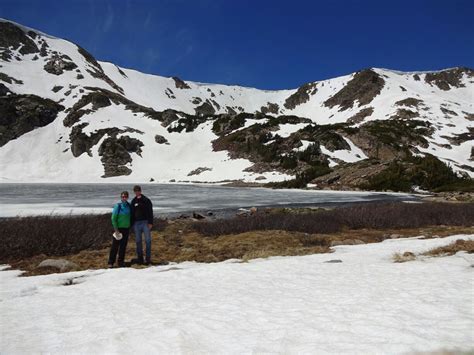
(265, 44)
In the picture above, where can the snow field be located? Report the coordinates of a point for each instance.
(365, 304)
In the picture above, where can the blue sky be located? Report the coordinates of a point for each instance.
(265, 44)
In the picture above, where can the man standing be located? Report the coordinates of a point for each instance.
(142, 221)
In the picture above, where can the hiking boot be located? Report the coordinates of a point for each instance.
(110, 266)
(137, 261)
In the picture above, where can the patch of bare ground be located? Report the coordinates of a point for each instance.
(179, 243)
(85, 240)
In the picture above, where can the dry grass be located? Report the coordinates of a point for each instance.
(401, 258)
(181, 240)
(445, 250)
(452, 248)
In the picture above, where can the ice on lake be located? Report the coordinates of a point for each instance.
(36, 199)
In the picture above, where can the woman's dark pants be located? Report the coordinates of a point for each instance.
(119, 246)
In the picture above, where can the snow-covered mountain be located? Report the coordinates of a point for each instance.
(64, 116)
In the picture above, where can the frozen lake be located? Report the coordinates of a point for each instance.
(36, 199)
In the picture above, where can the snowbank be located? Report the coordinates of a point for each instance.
(365, 304)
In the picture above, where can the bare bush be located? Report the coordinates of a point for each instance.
(321, 222)
(52, 235)
(370, 215)
(405, 215)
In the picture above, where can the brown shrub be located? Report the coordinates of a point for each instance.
(370, 215)
(23, 237)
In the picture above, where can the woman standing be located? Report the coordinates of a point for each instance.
(121, 223)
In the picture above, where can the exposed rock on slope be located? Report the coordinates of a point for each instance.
(13, 38)
(20, 114)
(115, 154)
(180, 84)
(363, 88)
(301, 96)
(447, 79)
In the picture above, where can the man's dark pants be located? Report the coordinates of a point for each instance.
(119, 246)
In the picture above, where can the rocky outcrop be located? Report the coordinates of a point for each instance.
(98, 99)
(4, 90)
(161, 140)
(62, 265)
(9, 80)
(270, 108)
(350, 176)
(468, 116)
(89, 57)
(121, 72)
(301, 95)
(83, 143)
(458, 139)
(132, 145)
(58, 64)
(168, 117)
(20, 114)
(226, 123)
(447, 112)
(361, 115)
(199, 170)
(170, 93)
(96, 70)
(410, 102)
(327, 135)
(447, 79)
(205, 109)
(13, 37)
(115, 154)
(180, 84)
(196, 100)
(404, 114)
(390, 139)
(99, 74)
(57, 88)
(261, 144)
(363, 88)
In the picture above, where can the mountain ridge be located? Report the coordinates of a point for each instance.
(114, 119)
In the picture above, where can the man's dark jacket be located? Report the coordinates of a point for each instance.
(141, 210)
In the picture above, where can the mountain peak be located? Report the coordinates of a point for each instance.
(63, 107)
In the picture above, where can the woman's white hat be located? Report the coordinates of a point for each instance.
(117, 235)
